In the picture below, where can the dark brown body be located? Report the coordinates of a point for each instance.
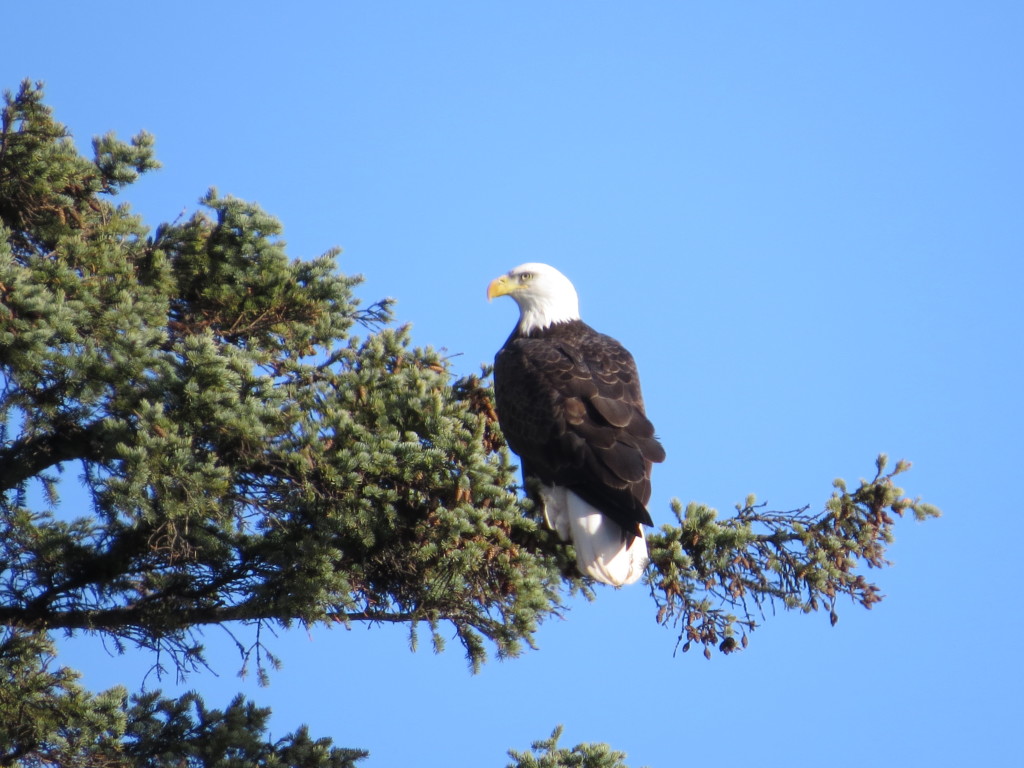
(569, 404)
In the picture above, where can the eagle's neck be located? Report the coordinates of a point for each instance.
(545, 310)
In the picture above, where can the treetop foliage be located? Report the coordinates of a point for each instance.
(258, 448)
(247, 457)
(546, 753)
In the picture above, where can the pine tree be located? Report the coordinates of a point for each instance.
(259, 447)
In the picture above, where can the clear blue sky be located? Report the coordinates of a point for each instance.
(805, 219)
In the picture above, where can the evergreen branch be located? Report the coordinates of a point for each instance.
(32, 455)
(50, 720)
(121, 620)
(705, 569)
(545, 753)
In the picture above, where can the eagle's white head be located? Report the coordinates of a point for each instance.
(544, 295)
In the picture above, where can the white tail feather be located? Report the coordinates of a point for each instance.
(602, 551)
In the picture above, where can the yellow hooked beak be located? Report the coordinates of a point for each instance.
(501, 286)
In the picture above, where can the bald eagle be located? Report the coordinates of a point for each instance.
(569, 404)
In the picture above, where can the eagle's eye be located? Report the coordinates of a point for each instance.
(524, 276)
